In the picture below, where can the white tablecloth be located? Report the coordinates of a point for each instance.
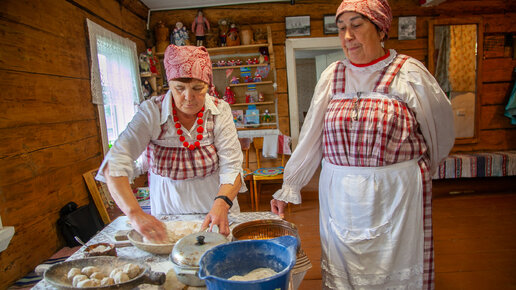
(158, 263)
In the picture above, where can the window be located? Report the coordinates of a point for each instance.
(115, 81)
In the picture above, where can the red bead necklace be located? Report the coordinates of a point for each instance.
(200, 129)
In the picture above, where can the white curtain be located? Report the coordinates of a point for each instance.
(115, 81)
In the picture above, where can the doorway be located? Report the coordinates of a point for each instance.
(299, 53)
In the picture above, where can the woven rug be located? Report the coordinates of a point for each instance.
(32, 278)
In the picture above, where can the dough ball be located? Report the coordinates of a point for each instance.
(131, 270)
(106, 281)
(72, 273)
(88, 283)
(89, 270)
(121, 277)
(78, 278)
(97, 275)
(114, 272)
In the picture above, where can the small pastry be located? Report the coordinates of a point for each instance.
(73, 272)
(131, 270)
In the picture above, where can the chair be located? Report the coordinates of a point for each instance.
(264, 174)
(245, 144)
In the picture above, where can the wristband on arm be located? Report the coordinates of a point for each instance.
(226, 199)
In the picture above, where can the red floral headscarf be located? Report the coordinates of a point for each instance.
(188, 62)
(378, 11)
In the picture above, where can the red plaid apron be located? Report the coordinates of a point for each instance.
(357, 133)
(180, 163)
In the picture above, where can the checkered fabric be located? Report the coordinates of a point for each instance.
(353, 136)
(180, 163)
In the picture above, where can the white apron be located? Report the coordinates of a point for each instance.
(168, 196)
(370, 234)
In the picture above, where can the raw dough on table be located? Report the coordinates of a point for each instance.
(178, 229)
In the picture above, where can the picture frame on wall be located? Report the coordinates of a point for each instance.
(297, 26)
(329, 24)
(407, 28)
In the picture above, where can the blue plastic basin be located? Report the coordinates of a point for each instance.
(241, 257)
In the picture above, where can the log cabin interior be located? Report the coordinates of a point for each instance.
(51, 132)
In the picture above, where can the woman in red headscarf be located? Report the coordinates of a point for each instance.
(191, 147)
(381, 125)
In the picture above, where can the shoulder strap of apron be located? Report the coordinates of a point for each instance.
(388, 74)
(339, 78)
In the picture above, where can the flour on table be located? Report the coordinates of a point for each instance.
(256, 274)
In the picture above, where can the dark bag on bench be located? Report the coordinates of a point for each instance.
(83, 222)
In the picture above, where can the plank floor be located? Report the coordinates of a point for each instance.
(474, 232)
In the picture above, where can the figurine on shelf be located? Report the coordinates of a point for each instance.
(261, 98)
(144, 63)
(200, 26)
(229, 96)
(257, 77)
(214, 93)
(223, 31)
(152, 61)
(249, 61)
(248, 79)
(221, 63)
(264, 51)
(266, 116)
(238, 62)
(231, 62)
(255, 60)
(233, 36)
(179, 35)
(235, 80)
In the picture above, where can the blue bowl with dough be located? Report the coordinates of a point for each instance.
(224, 261)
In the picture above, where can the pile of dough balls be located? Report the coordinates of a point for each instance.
(92, 276)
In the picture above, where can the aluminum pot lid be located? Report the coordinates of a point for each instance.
(189, 249)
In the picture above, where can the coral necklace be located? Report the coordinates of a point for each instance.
(200, 129)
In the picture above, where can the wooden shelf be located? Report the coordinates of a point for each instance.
(239, 66)
(248, 84)
(258, 103)
(235, 49)
(260, 127)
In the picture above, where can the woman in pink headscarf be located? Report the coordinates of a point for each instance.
(381, 125)
(191, 147)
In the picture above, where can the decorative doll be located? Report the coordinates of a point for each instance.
(179, 35)
(229, 96)
(234, 80)
(221, 63)
(248, 79)
(233, 37)
(261, 98)
(223, 31)
(200, 26)
(257, 77)
(214, 93)
(144, 63)
(266, 116)
(152, 61)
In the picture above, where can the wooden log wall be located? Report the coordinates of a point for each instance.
(49, 127)
(499, 18)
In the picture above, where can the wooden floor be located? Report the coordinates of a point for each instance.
(474, 232)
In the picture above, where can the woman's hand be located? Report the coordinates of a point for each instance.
(149, 227)
(218, 215)
(278, 207)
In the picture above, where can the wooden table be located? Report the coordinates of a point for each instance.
(158, 263)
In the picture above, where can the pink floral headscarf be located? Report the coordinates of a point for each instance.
(378, 11)
(188, 62)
